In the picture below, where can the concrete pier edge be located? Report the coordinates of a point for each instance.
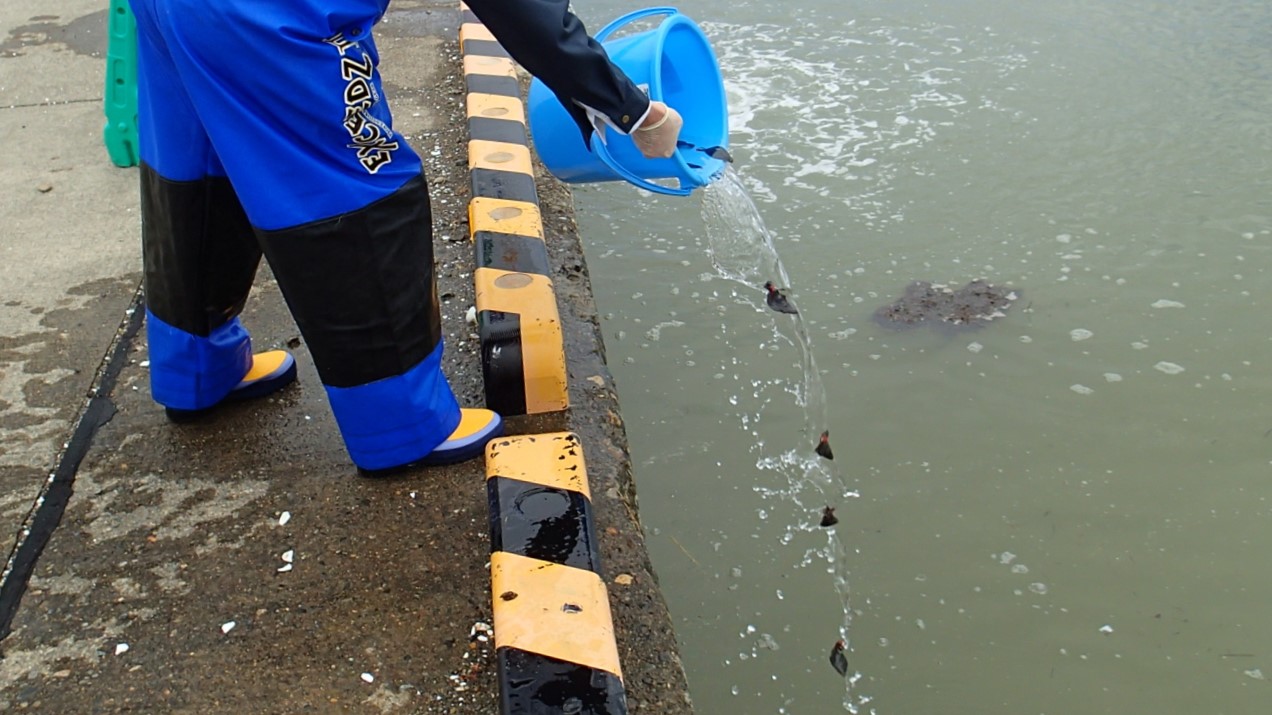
(241, 565)
(554, 636)
(575, 658)
(161, 589)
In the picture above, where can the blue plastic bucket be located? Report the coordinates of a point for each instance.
(675, 61)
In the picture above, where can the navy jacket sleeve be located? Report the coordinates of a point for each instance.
(552, 44)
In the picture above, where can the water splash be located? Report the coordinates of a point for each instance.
(741, 249)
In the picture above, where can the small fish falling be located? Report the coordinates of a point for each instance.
(715, 152)
(718, 152)
(838, 659)
(823, 446)
(828, 517)
(777, 299)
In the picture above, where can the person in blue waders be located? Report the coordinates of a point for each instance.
(263, 127)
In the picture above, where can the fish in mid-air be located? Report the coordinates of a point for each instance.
(778, 300)
(823, 446)
(838, 659)
(828, 517)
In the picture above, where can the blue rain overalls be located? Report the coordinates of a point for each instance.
(263, 126)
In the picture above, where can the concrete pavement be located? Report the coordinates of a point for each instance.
(239, 564)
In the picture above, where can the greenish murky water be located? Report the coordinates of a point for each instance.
(1068, 510)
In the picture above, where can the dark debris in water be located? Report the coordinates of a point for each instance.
(969, 307)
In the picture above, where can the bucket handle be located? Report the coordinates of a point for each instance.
(598, 147)
(633, 16)
(603, 154)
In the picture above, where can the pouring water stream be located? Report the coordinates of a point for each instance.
(742, 250)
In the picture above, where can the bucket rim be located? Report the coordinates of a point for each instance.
(664, 29)
(644, 53)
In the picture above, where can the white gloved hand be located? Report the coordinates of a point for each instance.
(656, 136)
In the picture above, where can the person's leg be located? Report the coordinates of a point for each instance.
(292, 102)
(199, 252)
(362, 290)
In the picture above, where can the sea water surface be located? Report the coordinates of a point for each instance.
(1068, 510)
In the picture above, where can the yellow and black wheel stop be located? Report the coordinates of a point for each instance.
(523, 356)
(554, 634)
(522, 353)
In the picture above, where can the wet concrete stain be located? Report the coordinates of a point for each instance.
(967, 308)
(84, 35)
(45, 376)
(55, 493)
(163, 506)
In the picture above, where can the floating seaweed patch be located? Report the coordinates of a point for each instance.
(969, 307)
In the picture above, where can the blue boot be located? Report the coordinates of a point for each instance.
(270, 372)
(476, 428)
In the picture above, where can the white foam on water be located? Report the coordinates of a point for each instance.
(836, 113)
(831, 108)
(655, 333)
